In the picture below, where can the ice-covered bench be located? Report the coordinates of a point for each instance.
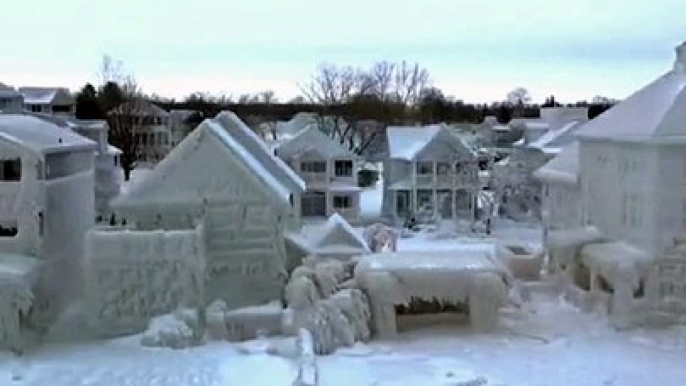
(474, 277)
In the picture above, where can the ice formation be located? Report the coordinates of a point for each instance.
(471, 277)
(381, 238)
(132, 276)
(335, 318)
(18, 276)
(169, 331)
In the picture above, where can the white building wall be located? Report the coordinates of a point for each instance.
(562, 205)
(619, 187)
(670, 194)
(69, 212)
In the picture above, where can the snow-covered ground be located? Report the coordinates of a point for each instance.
(548, 343)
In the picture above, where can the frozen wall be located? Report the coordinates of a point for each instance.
(562, 203)
(132, 276)
(619, 185)
(68, 213)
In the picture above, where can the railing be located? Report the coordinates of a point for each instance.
(447, 180)
(313, 178)
(350, 214)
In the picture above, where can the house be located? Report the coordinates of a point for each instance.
(152, 128)
(551, 119)
(632, 166)
(11, 101)
(107, 166)
(329, 170)
(46, 200)
(178, 125)
(48, 100)
(429, 172)
(221, 176)
(561, 198)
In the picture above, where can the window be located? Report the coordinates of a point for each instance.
(313, 167)
(10, 170)
(631, 211)
(8, 229)
(343, 168)
(425, 168)
(442, 168)
(425, 199)
(342, 202)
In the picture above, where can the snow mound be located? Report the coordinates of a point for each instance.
(168, 331)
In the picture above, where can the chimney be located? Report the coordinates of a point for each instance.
(680, 63)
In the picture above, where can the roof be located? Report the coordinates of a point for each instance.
(657, 110)
(41, 136)
(8, 92)
(563, 168)
(140, 107)
(339, 236)
(45, 95)
(311, 139)
(407, 142)
(183, 176)
(556, 139)
(259, 149)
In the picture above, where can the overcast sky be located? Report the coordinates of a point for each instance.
(476, 50)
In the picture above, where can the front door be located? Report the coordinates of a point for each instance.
(402, 203)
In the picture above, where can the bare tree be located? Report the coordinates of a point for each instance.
(518, 99)
(350, 97)
(120, 89)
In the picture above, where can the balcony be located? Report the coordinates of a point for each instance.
(314, 178)
(451, 180)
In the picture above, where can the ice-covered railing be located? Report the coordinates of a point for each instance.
(455, 277)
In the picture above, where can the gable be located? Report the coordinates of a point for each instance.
(200, 168)
(445, 146)
(312, 141)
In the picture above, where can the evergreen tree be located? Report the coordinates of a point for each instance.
(87, 103)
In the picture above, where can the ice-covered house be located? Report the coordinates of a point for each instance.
(223, 177)
(429, 173)
(107, 167)
(46, 199)
(152, 126)
(561, 198)
(551, 119)
(11, 100)
(330, 171)
(48, 100)
(632, 166)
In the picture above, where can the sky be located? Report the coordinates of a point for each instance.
(475, 50)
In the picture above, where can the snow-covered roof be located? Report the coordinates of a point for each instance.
(575, 237)
(339, 237)
(563, 168)
(407, 142)
(260, 151)
(41, 136)
(113, 150)
(142, 108)
(311, 139)
(45, 95)
(188, 175)
(8, 92)
(553, 140)
(656, 111)
(530, 123)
